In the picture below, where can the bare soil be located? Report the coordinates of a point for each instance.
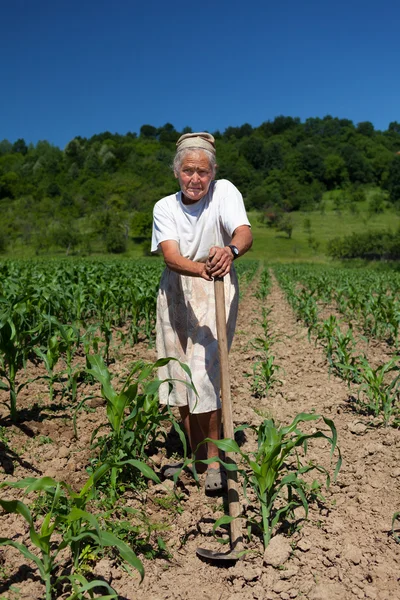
(343, 550)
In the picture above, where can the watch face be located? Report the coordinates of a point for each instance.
(234, 250)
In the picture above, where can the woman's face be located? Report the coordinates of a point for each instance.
(195, 176)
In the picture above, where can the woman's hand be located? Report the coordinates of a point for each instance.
(204, 272)
(219, 261)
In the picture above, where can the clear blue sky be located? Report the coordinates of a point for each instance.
(73, 67)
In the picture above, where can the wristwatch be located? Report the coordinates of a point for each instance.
(235, 251)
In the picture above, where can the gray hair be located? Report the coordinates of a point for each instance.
(181, 154)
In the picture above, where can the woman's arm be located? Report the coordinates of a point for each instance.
(220, 259)
(176, 262)
(242, 239)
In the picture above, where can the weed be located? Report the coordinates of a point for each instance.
(142, 535)
(3, 436)
(170, 503)
(44, 439)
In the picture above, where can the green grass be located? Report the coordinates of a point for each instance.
(272, 245)
(269, 244)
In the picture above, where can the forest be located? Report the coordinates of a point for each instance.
(97, 193)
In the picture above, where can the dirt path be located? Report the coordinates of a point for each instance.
(344, 550)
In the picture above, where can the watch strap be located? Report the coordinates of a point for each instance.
(234, 250)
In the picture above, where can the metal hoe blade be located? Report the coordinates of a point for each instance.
(213, 556)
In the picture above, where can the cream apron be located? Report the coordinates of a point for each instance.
(186, 330)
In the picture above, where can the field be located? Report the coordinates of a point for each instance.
(79, 406)
(312, 230)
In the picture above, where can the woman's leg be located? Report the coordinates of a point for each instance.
(201, 426)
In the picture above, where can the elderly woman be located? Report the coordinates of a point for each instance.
(200, 231)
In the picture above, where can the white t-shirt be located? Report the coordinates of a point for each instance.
(197, 227)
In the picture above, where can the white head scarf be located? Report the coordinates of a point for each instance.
(202, 140)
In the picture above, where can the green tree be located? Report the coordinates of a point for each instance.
(365, 128)
(335, 173)
(376, 204)
(273, 157)
(75, 152)
(357, 194)
(53, 189)
(311, 163)
(281, 124)
(380, 161)
(92, 163)
(67, 236)
(238, 132)
(3, 241)
(265, 195)
(116, 241)
(20, 146)
(394, 180)
(148, 131)
(167, 133)
(356, 164)
(286, 225)
(9, 183)
(141, 225)
(254, 152)
(394, 127)
(307, 225)
(5, 147)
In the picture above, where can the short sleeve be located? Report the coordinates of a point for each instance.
(232, 209)
(164, 225)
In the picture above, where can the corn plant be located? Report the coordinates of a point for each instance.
(269, 474)
(377, 394)
(265, 343)
(50, 357)
(266, 325)
(366, 296)
(16, 340)
(264, 286)
(134, 415)
(264, 376)
(264, 370)
(339, 348)
(345, 346)
(325, 334)
(67, 520)
(307, 309)
(70, 340)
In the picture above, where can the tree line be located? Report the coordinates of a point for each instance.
(101, 190)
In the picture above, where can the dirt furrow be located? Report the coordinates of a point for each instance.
(348, 539)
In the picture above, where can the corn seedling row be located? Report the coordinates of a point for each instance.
(377, 390)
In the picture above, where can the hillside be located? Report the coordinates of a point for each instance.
(96, 195)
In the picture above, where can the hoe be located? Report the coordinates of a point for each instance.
(236, 540)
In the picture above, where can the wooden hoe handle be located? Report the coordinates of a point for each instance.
(233, 489)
